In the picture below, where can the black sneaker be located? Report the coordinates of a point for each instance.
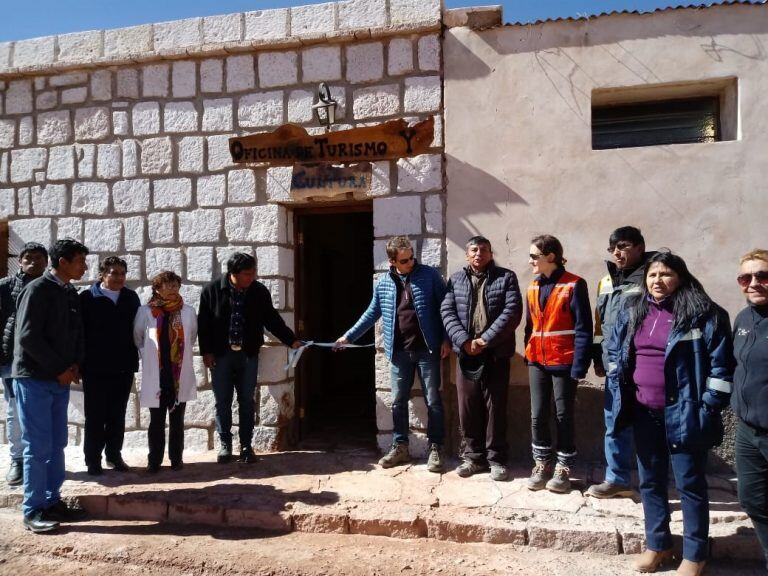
(153, 468)
(118, 464)
(246, 455)
(15, 475)
(225, 453)
(95, 470)
(37, 523)
(469, 468)
(63, 512)
(176, 466)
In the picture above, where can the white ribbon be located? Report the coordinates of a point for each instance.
(295, 354)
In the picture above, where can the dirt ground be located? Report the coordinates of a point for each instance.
(121, 548)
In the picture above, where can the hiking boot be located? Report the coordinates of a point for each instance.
(499, 472)
(651, 560)
(225, 452)
(95, 470)
(689, 568)
(608, 490)
(470, 468)
(541, 473)
(247, 455)
(435, 462)
(15, 475)
(560, 482)
(397, 455)
(177, 465)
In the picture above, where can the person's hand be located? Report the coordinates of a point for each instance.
(599, 371)
(296, 344)
(469, 348)
(340, 343)
(66, 377)
(209, 360)
(445, 350)
(479, 344)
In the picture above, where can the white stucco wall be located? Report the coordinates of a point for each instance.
(518, 141)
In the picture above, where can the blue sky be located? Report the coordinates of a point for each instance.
(29, 18)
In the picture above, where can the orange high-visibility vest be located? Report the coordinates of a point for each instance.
(553, 337)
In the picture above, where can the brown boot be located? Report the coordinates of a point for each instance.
(651, 560)
(688, 568)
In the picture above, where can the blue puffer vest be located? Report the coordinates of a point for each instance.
(428, 292)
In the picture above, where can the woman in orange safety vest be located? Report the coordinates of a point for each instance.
(557, 350)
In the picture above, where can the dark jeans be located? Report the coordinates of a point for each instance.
(689, 469)
(752, 469)
(106, 398)
(483, 412)
(156, 433)
(235, 372)
(404, 366)
(545, 385)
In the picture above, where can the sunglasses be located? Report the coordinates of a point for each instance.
(535, 256)
(404, 261)
(745, 280)
(620, 246)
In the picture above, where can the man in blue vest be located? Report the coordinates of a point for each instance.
(408, 300)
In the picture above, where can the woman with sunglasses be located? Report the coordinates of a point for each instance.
(558, 339)
(750, 396)
(670, 372)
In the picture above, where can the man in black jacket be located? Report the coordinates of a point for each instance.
(48, 353)
(481, 310)
(32, 261)
(234, 310)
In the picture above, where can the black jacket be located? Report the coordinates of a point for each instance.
(750, 347)
(10, 288)
(503, 305)
(49, 330)
(214, 314)
(109, 346)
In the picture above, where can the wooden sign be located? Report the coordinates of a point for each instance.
(291, 144)
(325, 181)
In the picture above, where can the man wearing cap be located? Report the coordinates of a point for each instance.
(32, 261)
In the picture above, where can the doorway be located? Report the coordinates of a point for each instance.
(336, 391)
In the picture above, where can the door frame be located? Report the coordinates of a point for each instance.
(300, 379)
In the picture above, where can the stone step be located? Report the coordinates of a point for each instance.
(348, 494)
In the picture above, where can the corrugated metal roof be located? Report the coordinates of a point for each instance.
(614, 12)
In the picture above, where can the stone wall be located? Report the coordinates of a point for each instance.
(119, 138)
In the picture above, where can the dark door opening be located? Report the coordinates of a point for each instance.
(336, 393)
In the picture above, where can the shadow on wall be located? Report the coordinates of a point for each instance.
(483, 190)
(707, 24)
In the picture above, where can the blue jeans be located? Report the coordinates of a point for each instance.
(43, 414)
(404, 365)
(235, 372)
(12, 425)
(752, 468)
(688, 467)
(618, 447)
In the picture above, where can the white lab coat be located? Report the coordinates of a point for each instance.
(146, 337)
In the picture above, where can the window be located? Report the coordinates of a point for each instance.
(664, 114)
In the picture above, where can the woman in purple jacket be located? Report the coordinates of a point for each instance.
(670, 370)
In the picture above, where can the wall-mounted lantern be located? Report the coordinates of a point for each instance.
(325, 109)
